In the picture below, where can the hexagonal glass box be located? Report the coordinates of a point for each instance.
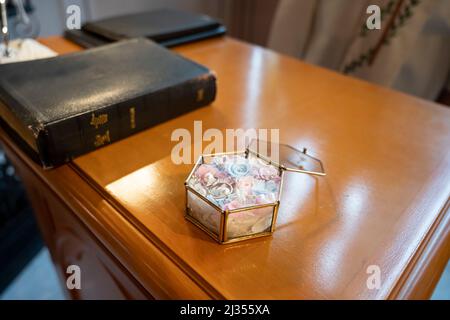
(235, 196)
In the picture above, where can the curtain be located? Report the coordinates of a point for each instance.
(411, 51)
(249, 20)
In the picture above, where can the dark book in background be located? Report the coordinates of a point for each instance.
(168, 27)
(69, 105)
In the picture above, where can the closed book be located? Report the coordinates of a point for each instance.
(165, 26)
(62, 107)
(168, 27)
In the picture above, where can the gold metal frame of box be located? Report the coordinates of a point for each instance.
(222, 237)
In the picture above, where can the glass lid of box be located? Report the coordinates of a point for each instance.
(286, 157)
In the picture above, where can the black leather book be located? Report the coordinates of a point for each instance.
(168, 27)
(69, 105)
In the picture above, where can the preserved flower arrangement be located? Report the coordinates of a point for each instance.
(235, 196)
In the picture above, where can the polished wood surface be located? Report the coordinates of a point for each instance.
(384, 201)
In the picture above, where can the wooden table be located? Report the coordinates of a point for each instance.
(118, 212)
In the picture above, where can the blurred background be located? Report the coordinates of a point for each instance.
(331, 34)
(411, 53)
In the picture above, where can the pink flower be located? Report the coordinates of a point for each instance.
(268, 172)
(207, 174)
(235, 204)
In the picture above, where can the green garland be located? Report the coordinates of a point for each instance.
(365, 57)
